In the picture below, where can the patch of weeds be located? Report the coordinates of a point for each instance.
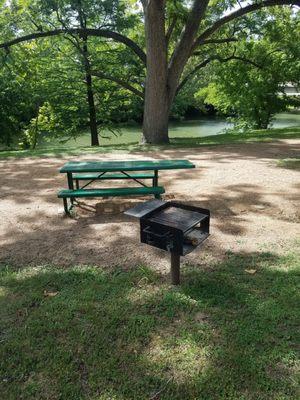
(290, 163)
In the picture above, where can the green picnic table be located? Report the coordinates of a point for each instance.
(138, 171)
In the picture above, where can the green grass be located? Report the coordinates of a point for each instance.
(176, 142)
(117, 335)
(290, 163)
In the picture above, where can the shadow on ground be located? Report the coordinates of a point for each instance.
(96, 238)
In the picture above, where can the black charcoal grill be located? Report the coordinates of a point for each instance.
(173, 227)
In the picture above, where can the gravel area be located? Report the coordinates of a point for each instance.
(254, 205)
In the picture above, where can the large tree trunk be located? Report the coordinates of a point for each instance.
(156, 106)
(162, 81)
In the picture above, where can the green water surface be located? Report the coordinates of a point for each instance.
(205, 126)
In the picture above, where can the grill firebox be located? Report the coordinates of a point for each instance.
(173, 227)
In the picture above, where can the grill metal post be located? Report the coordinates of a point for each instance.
(155, 182)
(175, 268)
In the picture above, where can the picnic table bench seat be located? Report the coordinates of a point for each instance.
(107, 192)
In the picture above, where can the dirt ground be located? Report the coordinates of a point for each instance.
(253, 202)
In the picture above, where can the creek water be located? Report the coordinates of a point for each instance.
(204, 126)
(207, 126)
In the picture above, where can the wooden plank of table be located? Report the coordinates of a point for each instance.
(136, 165)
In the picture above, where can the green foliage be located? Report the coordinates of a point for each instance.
(52, 71)
(249, 83)
(15, 106)
(44, 123)
(31, 84)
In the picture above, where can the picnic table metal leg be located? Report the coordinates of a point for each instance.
(70, 184)
(155, 183)
(66, 208)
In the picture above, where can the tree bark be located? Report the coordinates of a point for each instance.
(88, 79)
(90, 96)
(161, 81)
(92, 109)
(156, 106)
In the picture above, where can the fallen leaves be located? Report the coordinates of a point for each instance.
(251, 271)
(50, 293)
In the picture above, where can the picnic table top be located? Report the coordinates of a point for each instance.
(135, 165)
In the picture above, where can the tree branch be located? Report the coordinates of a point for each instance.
(240, 13)
(214, 41)
(171, 29)
(78, 31)
(191, 73)
(245, 60)
(191, 27)
(217, 41)
(183, 49)
(214, 58)
(120, 82)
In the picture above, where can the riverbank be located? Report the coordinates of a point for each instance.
(177, 142)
